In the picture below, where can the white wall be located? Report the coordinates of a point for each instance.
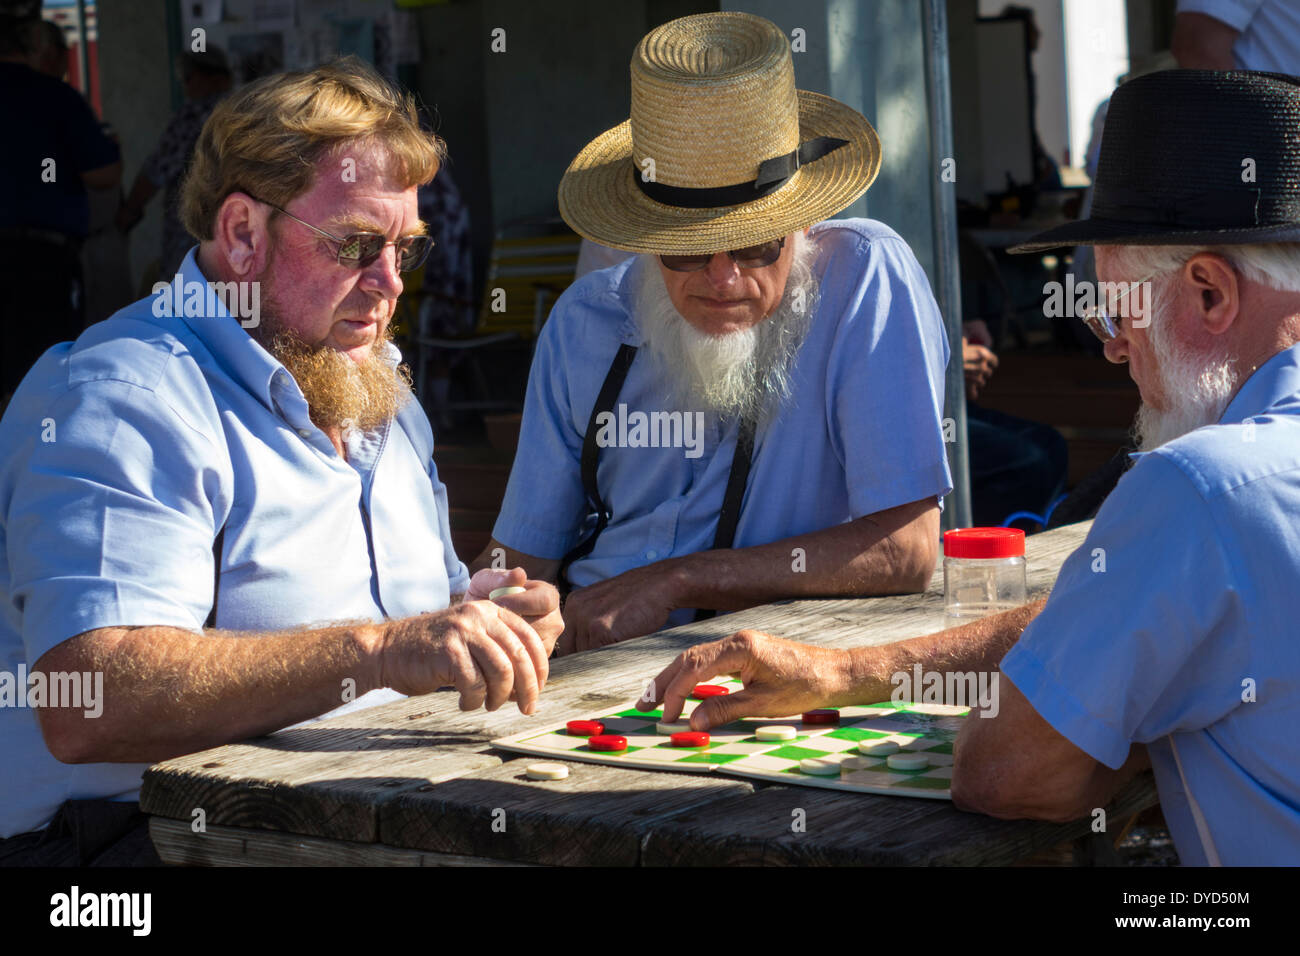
(1096, 35)
(1048, 63)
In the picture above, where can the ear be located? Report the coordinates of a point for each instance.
(1213, 281)
(242, 235)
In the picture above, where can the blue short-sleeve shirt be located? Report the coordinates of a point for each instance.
(1175, 625)
(861, 432)
(127, 450)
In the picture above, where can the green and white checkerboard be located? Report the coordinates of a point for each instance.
(734, 749)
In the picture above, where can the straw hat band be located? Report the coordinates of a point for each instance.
(772, 175)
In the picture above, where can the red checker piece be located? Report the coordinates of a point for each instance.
(584, 728)
(822, 717)
(689, 738)
(705, 691)
(611, 742)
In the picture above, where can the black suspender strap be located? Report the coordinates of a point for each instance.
(729, 516)
(591, 455)
(216, 576)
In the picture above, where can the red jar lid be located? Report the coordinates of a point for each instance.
(984, 543)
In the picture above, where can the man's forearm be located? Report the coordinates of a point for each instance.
(890, 553)
(168, 691)
(977, 646)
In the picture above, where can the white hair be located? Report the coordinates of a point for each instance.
(1272, 264)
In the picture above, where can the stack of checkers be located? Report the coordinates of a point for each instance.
(894, 748)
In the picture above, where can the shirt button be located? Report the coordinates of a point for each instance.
(652, 555)
(304, 433)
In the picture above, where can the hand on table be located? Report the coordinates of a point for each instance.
(538, 604)
(782, 678)
(483, 649)
(617, 609)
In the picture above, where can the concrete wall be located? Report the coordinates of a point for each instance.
(514, 120)
(869, 56)
(135, 77)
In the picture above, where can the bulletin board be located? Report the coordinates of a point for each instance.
(268, 36)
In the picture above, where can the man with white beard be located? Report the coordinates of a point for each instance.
(751, 408)
(1169, 638)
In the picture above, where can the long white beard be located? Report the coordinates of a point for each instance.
(1196, 389)
(747, 372)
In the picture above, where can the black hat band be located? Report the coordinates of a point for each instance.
(772, 175)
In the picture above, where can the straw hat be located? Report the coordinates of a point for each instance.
(721, 151)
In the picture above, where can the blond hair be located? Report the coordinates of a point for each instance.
(267, 138)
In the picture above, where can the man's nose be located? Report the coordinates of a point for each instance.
(383, 276)
(722, 270)
(1116, 350)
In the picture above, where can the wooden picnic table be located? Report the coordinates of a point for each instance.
(417, 783)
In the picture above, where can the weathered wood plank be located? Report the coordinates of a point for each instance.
(302, 781)
(843, 829)
(178, 845)
(597, 816)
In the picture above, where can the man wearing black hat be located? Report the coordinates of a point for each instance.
(1168, 639)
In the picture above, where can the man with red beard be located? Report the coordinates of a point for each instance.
(220, 505)
(1169, 638)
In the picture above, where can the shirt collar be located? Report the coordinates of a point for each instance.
(238, 353)
(1275, 380)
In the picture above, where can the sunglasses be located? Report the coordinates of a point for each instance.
(359, 249)
(1102, 324)
(751, 257)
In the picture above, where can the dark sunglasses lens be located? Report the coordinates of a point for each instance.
(685, 263)
(360, 249)
(755, 257)
(411, 252)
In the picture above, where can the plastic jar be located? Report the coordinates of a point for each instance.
(983, 573)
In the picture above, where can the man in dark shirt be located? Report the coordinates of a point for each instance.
(206, 78)
(54, 150)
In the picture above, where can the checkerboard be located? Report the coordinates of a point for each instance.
(733, 748)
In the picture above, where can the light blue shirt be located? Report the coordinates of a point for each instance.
(861, 432)
(1269, 31)
(126, 450)
(1194, 614)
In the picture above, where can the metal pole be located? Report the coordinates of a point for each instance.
(947, 277)
(83, 54)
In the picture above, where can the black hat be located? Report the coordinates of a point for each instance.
(1194, 157)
